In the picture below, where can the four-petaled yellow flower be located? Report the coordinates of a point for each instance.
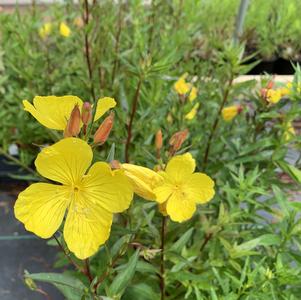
(230, 112)
(54, 112)
(90, 198)
(65, 31)
(45, 30)
(178, 190)
(193, 112)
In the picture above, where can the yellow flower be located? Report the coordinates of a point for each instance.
(177, 189)
(65, 31)
(182, 88)
(193, 112)
(182, 189)
(193, 94)
(230, 112)
(90, 199)
(53, 112)
(45, 30)
(274, 96)
(143, 179)
(289, 132)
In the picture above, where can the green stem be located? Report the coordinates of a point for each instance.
(132, 116)
(216, 121)
(162, 263)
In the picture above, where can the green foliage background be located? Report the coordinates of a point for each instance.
(245, 244)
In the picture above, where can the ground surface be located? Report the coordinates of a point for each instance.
(24, 253)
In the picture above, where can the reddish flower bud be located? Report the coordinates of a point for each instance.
(159, 140)
(103, 131)
(177, 140)
(270, 84)
(86, 113)
(73, 124)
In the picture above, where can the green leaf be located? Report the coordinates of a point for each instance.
(111, 155)
(72, 288)
(141, 291)
(182, 241)
(122, 280)
(292, 171)
(281, 200)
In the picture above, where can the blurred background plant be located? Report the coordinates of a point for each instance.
(171, 66)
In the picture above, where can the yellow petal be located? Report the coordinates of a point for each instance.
(65, 161)
(87, 227)
(143, 180)
(103, 105)
(230, 112)
(45, 30)
(180, 209)
(109, 189)
(64, 30)
(163, 192)
(199, 188)
(41, 207)
(51, 111)
(193, 94)
(193, 112)
(180, 167)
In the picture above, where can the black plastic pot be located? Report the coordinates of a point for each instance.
(263, 67)
(8, 170)
(285, 67)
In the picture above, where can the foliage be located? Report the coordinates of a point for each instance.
(244, 244)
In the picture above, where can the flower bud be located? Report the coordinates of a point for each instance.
(177, 140)
(159, 140)
(162, 208)
(103, 131)
(86, 113)
(73, 124)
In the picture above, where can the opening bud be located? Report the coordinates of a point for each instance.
(86, 113)
(103, 131)
(177, 140)
(159, 142)
(73, 124)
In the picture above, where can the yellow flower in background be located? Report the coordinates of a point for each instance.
(182, 189)
(45, 30)
(230, 112)
(53, 112)
(193, 112)
(289, 132)
(177, 189)
(90, 198)
(193, 94)
(274, 96)
(65, 31)
(183, 88)
(144, 180)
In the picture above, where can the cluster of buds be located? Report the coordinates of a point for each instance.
(81, 119)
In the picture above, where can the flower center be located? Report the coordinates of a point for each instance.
(76, 188)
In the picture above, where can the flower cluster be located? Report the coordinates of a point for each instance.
(47, 28)
(84, 196)
(186, 89)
